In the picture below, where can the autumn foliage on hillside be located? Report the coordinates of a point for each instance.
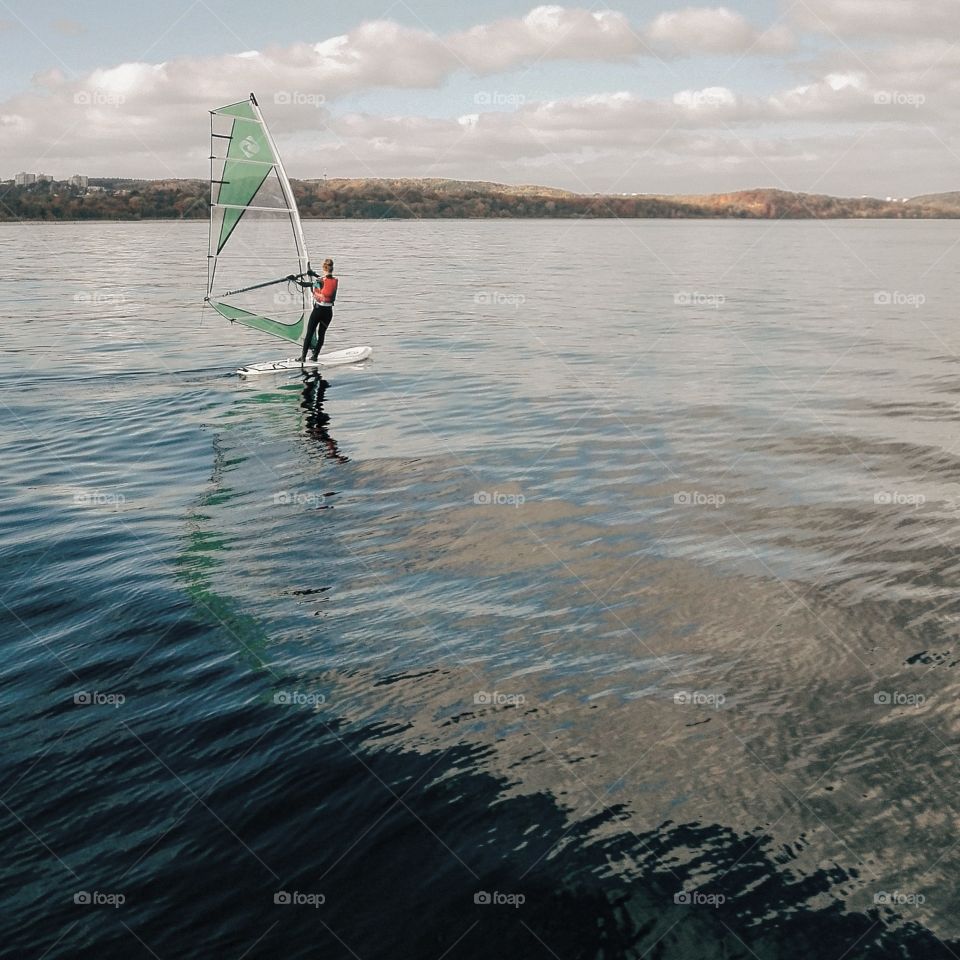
(446, 199)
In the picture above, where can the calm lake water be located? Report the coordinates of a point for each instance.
(610, 611)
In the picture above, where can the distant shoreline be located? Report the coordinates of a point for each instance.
(115, 200)
(943, 218)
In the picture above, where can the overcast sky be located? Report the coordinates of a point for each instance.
(846, 97)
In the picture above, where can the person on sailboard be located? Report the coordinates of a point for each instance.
(324, 297)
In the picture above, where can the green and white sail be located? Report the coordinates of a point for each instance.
(256, 239)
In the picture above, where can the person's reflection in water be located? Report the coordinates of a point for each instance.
(314, 389)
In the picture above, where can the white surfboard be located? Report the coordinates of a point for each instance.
(336, 358)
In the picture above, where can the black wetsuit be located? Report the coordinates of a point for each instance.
(320, 318)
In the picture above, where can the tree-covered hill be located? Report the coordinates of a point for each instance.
(119, 199)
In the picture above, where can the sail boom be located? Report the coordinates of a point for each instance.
(259, 286)
(249, 206)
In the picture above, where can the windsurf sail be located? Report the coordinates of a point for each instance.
(256, 239)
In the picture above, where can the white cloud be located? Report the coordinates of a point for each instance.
(895, 18)
(623, 141)
(130, 80)
(162, 106)
(378, 53)
(928, 65)
(547, 33)
(714, 30)
(625, 144)
(149, 119)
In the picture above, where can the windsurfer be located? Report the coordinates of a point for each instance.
(324, 297)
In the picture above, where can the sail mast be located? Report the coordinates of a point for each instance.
(287, 189)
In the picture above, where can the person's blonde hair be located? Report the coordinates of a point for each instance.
(328, 264)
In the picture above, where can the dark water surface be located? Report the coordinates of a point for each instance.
(618, 590)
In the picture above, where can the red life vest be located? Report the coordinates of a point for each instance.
(326, 293)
